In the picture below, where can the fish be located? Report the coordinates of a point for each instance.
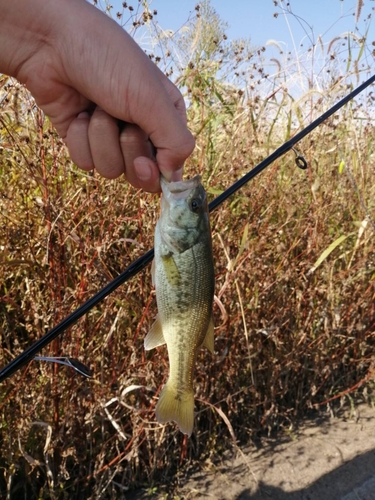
(184, 280)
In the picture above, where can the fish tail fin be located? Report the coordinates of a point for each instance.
(176, 406)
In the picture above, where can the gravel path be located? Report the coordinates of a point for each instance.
(325, 459)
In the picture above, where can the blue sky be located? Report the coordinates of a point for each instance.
(295, 32)
(255, 18)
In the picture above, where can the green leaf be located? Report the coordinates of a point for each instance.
(215, 191)
(363, 45)
(328, 251)
(245, 235)
(349, 56)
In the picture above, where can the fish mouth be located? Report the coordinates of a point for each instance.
(180, 187)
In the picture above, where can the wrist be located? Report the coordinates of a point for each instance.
(27, 27)
(21, 33)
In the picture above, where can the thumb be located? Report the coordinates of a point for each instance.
(172, 139)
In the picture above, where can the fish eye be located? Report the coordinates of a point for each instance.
(195, 204)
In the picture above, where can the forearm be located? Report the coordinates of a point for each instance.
(28, 26)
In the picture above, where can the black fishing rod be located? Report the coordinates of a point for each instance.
(142, 261)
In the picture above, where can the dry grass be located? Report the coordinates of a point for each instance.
(288, 337)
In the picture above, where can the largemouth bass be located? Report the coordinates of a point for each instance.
(183, 275)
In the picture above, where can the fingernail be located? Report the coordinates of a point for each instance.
(177, 175)
(143, 169)
(83, 114)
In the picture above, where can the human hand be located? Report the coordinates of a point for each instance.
(86, 73)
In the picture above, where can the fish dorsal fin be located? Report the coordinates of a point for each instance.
(155, 336)
(209, 338)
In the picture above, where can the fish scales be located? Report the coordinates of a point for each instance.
(183, 275)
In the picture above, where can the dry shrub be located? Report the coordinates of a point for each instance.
(288, 337)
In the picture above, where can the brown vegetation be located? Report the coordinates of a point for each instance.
(294, 255)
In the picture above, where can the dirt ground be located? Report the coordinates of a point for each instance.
(328, 458)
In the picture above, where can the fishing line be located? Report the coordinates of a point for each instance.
(71, 362)
(142, 261)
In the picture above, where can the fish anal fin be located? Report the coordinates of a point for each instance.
(177, 407)
(155, 336)
(209, 338)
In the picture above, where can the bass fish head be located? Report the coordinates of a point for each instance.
(184, 214)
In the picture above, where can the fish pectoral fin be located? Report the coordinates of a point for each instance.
(153, 272)
(171, 271)
(209, 338)
(155, 336)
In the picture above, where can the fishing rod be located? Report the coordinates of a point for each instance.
(139, 264)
